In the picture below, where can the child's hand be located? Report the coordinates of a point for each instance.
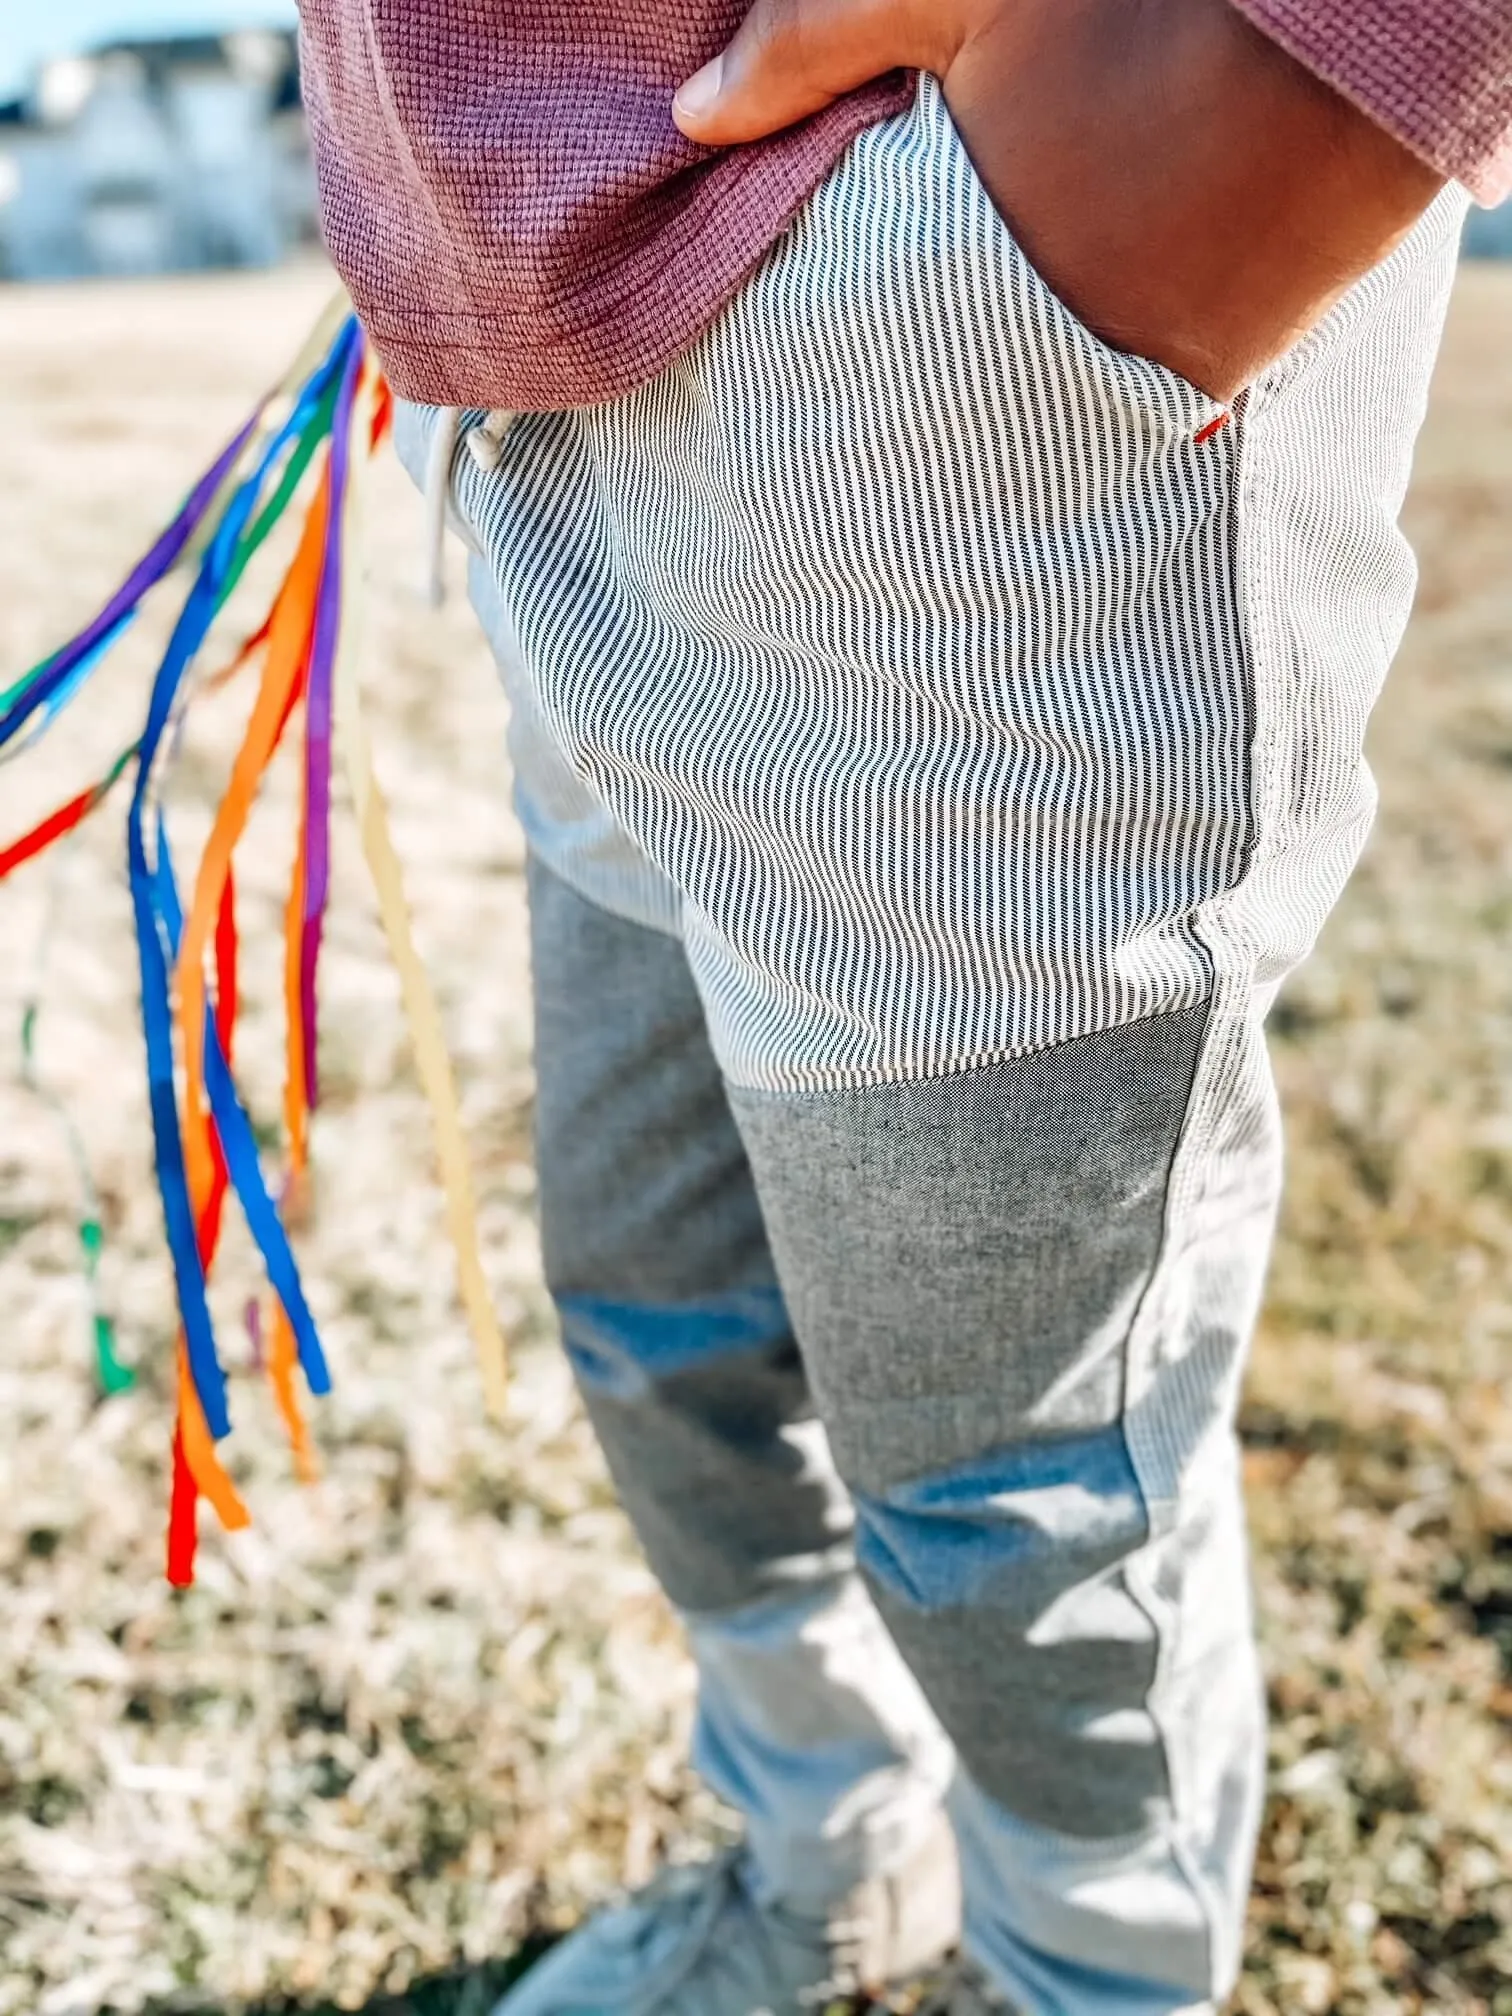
(1194, 194)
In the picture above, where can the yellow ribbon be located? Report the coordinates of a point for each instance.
(421, 1012)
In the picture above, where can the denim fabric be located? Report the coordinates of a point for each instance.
(808, 1720)
(965, 1264)
(656, 1254)
(1027, 1360)
(810, 1724)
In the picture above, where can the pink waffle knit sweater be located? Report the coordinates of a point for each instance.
(520, 223)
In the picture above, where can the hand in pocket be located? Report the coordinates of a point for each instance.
(1190, 191)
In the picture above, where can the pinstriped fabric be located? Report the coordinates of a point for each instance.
(1327, 578)
(1326, 583)
(563, 823)
(902, 625)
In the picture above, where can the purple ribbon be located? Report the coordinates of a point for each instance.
(319, 694)
(148, 571)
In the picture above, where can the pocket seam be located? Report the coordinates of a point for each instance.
(1129, 366)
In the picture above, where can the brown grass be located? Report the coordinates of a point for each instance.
(435, 1704)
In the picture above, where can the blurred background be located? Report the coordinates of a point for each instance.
(431, 1707)
(150, 140)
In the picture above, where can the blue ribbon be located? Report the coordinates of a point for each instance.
(158, 918)
(239, 1145)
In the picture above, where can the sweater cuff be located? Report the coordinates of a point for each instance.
(1435, 73)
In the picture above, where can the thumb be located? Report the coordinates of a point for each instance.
(791, 58)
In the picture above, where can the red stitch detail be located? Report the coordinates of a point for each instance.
(1213, 427)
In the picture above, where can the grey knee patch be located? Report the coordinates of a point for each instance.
(964, 1260)
(963, 1257)
(1001, 1583)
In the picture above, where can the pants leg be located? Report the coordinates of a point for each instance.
(655, 1252)
(1023, 1295)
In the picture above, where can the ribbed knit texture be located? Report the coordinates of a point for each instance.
(1436, 73)
(517, 218)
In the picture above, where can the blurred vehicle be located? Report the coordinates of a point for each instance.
(1488, 235)
(157, 156)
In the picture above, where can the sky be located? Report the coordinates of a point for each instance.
(32, 29)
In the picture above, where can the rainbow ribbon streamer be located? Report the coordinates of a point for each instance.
(311, 436)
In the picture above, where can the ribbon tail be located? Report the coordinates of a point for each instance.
(432, 1062)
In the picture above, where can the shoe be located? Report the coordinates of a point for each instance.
(699, 1942)
(964, 1990)
(961, 1989)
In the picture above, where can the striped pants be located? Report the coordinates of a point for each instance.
(937, 736)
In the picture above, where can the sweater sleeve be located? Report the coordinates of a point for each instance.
(1436, 73)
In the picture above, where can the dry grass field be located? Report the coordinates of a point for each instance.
(432, 1705)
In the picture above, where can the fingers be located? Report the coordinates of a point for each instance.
(791, 58)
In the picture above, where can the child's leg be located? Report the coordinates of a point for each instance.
(996, 705)
(1024, 1296)
(809, 1722)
